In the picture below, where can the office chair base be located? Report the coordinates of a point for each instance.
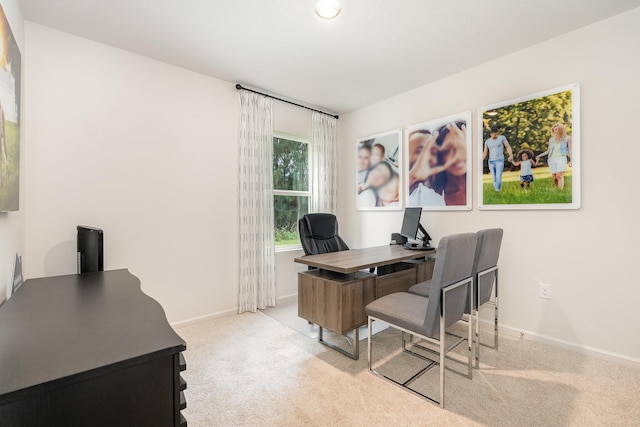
(356, 343)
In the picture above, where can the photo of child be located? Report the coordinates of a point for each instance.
(377, 154)
(526, 162)
(378, 172)
(388, 193)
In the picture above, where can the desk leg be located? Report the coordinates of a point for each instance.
(356, 353)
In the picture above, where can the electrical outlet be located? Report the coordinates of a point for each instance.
(545, 291)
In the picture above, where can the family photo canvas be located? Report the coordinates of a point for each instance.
(529, 154)
(378, 171)
(438, 166)
(10, 65)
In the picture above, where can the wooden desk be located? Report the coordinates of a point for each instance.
(361, 259)
(334, 296)
(88, 350)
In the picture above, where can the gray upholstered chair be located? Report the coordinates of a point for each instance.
(428, 317)
(485, 274)
(421, 288)
(485, 271)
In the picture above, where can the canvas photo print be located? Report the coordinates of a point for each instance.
(530, 152)
(378, 172)
(438, 152)
(10, 66)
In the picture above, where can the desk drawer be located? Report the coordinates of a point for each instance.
(399, 281)
(383, 270)
(335, 301)
(425, 270)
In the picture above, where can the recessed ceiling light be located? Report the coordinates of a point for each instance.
(328, 9)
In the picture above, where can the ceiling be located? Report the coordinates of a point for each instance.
(373, 50)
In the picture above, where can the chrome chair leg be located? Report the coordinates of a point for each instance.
(477, 339)
(441, 343)
(369, 324)
(441, 375)
(495, 324)
(471, 339)
(404, 385)
(494, 303)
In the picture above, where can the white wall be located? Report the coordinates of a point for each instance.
(145, 151)
(12, 223)
(148, 152)
(589, 256)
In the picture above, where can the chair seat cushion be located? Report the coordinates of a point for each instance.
(421, 288)
(400, 309)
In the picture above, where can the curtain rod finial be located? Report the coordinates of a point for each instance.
(238, 86)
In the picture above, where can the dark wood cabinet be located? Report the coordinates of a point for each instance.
(89, 350)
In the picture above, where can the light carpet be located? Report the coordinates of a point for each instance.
(251, 370)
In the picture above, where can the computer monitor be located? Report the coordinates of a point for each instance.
(411, 225)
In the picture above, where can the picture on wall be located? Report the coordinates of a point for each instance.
(378, 171)
(438, 166)
(530, 152)
(10, 66)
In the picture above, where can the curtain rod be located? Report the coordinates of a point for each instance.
(239, 87)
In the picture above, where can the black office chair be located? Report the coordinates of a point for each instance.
(319, 234)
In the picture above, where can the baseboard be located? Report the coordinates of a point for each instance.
(287, 298)
(204, 318)
(569, 345)
(280, 300)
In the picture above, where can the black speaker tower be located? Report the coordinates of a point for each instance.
(90, 249)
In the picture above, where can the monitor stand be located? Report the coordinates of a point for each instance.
(425, 236)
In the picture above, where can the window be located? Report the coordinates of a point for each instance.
(291, 188)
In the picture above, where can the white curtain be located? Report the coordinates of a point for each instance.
(257, 257)
(323, 163)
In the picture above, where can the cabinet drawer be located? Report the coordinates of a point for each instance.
(399, 281)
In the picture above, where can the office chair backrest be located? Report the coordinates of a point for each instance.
(487, 254)
(453, 263)
(319, 234)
